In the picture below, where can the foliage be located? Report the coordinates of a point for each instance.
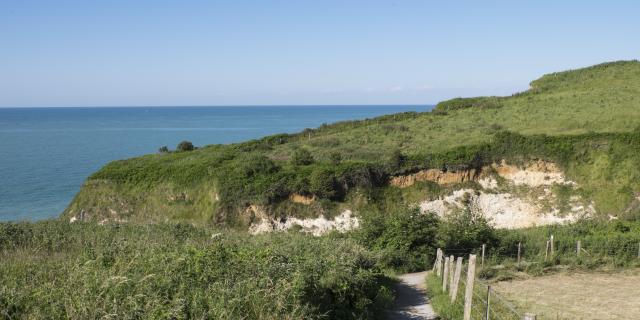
(464, 230)
(406, 239)
(301, 157)
(185, 146)
(464, 103)
(322, 183)
(335, 157)
(163, 149)
(59, 270)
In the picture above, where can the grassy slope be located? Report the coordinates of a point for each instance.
(215, 183)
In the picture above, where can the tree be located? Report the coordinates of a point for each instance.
(163, 149)
(185, 146)
(301, 157)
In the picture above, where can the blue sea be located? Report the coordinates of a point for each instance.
(47, 153)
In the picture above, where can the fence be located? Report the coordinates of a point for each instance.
(479, 302)
(483, 303)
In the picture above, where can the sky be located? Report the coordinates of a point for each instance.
(172, 53)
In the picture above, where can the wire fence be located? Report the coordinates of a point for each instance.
(488, 304)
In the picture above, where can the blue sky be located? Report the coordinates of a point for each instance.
(131, 53)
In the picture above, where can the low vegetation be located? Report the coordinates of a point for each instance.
(609, 252)
(55, 270)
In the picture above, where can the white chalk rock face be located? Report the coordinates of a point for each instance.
(507, 210)
(344, 222)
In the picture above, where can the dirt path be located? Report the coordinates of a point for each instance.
(412, 302)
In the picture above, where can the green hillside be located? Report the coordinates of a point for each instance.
(586, 120)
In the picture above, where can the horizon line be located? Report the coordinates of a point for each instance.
(213, 106)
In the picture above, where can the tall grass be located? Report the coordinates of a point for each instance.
(80, 271)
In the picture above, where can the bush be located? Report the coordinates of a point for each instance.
(406, 238)
(163, 149)
(335, 157)
(257, 164)
(185, 146)
(301, 157)
(322, 184)
(466, 231)
(396, 159)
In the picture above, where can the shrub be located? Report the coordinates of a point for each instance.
(465, 231)
(257, 164)
(396, 159)
(301, 157)
(335, 157)
(185, 146)
(406, 238)
(163, 149)
(322, 184)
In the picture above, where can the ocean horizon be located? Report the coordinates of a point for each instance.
(48, 152)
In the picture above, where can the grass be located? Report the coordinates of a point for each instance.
(441, 301)
(59, 270)
(561, 285)
(581, 295)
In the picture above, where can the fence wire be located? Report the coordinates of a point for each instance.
(499, 307)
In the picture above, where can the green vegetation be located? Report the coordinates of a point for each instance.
(605, 246)
(157, 266)
(583, 119)
(185, 146)
(55, 270)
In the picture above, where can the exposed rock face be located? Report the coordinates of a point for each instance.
(299, 198)
(317, 226)
(537, 173)
(435, 175)
(507, 210)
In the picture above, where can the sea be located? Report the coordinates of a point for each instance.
(47, 153)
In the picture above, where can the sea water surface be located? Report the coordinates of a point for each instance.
(47, 153)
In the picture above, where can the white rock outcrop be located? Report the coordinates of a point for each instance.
(317, 226)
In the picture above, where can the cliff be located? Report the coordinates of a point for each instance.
(578, 125)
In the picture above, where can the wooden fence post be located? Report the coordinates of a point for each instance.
(529, 316)
(519, 248)
(487, 306)
(435, 262)
(482, 260)
(552, 246)
(546, 251)
(468, 292)
(456, 280)
(578, 248)
(445, 274)
(638, 250)
(439, 262)
(451, 259)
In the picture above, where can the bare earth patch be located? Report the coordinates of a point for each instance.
(578, 295)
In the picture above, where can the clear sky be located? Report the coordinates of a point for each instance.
(134, 52)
